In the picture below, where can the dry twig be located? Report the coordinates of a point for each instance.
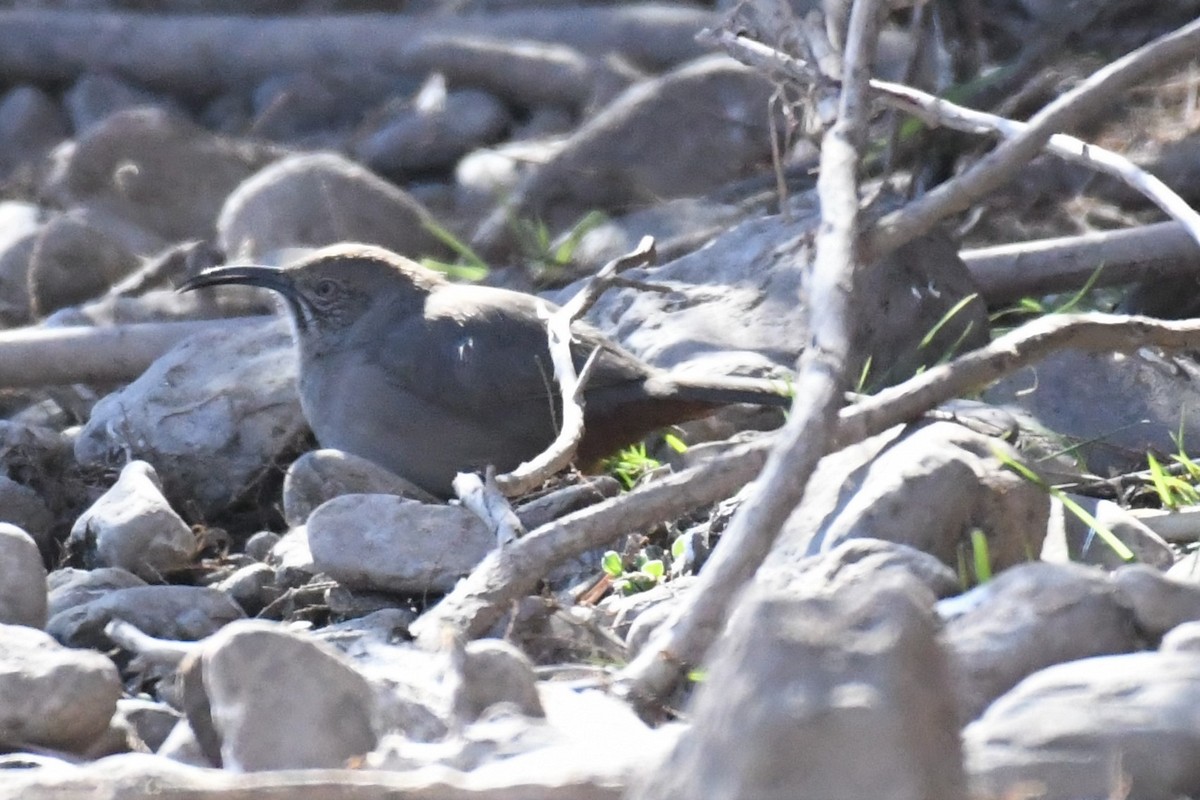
(509, 574)
(1008, 272)
(483, 498)
(558, 455)
(110, 354)
(823, 376)
(934, 111)
(993, 170)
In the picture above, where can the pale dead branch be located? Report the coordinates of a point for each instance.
(111, 354)
(935, 111)
(1093, 95)
(823, 376)
(558, 455)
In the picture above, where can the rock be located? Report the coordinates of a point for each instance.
(23, 591)
(1028, 618)
(841, 696)
(210, 414)
(483, 175)
(562, 749)
(1187, 568)
(23, 507)
(754, 273)
(252, 587)
(160, 171)
(525, 73)
(185, 613)
(491, 671)
(1159, 603)
(1118, 725)
(428, 136)
(1069, 538)
(94, 97)
(279, 700)
(683, 221)
(386, 543)
(928, 489)
(316, 199)
(132, 526)
(717, 113)
(1182, 638)
(150, 721)
(31, 124)
(181, 746)
(292, 559)
(52, 696)
(72, 261)
(259, 545)
(1148, 403)
(856, 562)
(320, 475)
(71, 587)
(19, 226)
(317, 110)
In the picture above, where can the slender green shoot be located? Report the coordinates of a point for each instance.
(470, 266)
(954, 311)
(1107, 536)
(983, 558)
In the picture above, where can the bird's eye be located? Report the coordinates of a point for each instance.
(325, 289)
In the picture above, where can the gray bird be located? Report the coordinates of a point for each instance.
(429, 378)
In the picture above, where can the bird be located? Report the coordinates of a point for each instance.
(429, 378)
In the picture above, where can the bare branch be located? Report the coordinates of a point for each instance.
(994, 169)
(483, 498)
(823, 377)
(934, 111)
(1031, 342)
(531, 474)
(109, 354)
(513, 572)
(1008, 272)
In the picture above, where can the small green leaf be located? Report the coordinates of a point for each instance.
(675, 443)
(611, 563)
(861, 383)
(654, 568)
(679, 547)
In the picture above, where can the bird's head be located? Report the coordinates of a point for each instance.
(331, 289)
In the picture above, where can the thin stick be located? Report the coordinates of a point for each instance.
(998, 166)
(508, 574)
(934, 111)
(531, 474)
(824, 375)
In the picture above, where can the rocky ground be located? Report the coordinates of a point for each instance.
(196, 600)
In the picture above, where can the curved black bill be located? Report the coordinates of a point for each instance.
(244, 275)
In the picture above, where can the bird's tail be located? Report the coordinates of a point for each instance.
(725, 390)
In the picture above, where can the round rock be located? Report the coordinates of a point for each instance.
(23, 589)
(134, 527)
(387, 543)
(51, 695)
(319, 199)
(321, 475)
